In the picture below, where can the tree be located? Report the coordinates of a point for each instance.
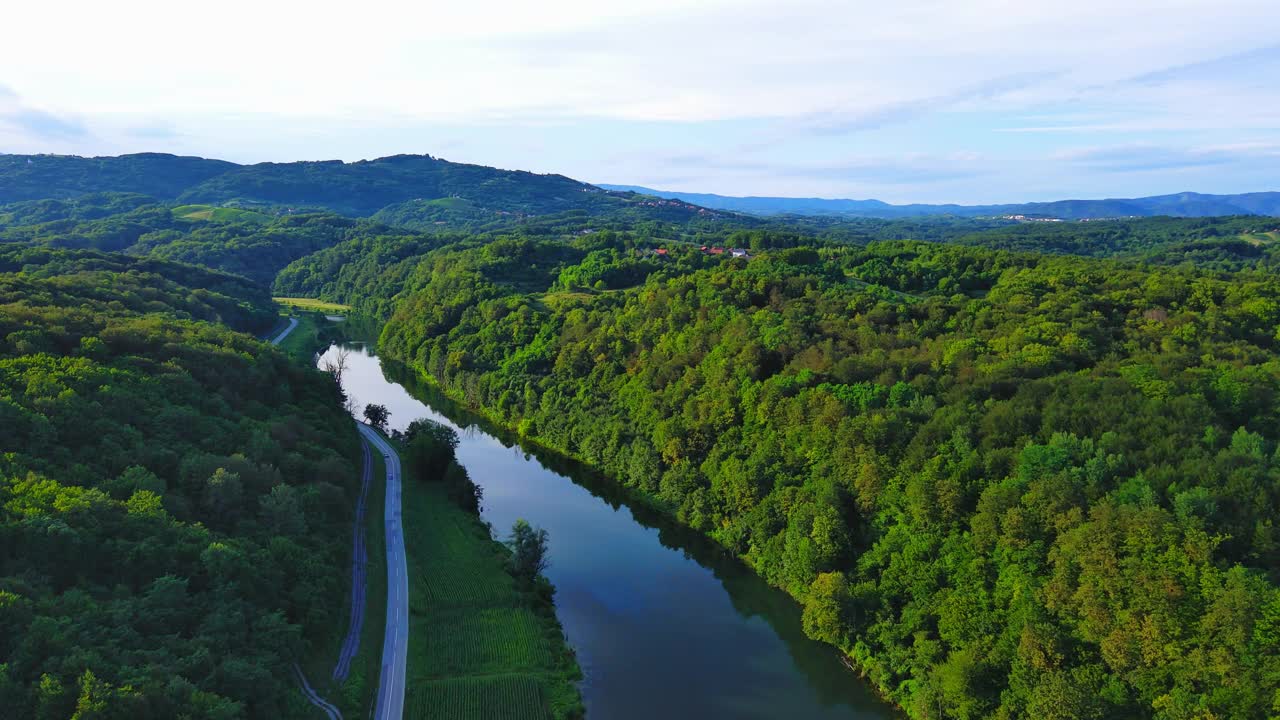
(336, 364)
(429, 448)
(826, 609)
(377, 415)
(282, 511)
(528, 551)
(223, 494)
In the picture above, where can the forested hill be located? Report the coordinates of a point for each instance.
(1187, 204)
(255, 245)
(1006, 485)
(37, 177)
(173, 493)
(416, 190)
(363, 188)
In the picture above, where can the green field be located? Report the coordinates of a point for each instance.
(312, 304)
(478, 647)
(303, 342)
(1262, 238)
(501, 697)
(209, 213)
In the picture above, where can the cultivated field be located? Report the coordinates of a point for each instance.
(312, 304)
(477, 647)
(220, 214)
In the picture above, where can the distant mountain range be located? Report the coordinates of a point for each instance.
(421, 191)
(1186, 204)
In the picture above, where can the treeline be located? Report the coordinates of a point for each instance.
(174, 494)
(1006, 485)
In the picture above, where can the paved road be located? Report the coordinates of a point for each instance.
(359, 575)
(293, 323)
(395, 643)
(313, 697)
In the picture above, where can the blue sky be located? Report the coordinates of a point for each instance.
(935, 101)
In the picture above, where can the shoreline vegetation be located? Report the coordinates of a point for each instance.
(632, 498)
(484, 641)
(492, 648)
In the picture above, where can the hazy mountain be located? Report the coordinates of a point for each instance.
(1180, 205)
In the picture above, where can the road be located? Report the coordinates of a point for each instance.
(313, 697)
(359, 575)
(293, 323)
(395, 643)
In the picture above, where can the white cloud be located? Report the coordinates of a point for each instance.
(1144, 157)
(817, 81)
(666, 59)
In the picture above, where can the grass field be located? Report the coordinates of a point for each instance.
(303, 342)
(1262, 238)
(312, 304)
(478, 647)
(219, 214)
(500, 697)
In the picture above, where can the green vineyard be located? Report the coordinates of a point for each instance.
(488, 640)
(507, 697)
(478, 648)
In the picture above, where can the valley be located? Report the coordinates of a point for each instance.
(861, 468)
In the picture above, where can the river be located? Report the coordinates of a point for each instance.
(664, 622)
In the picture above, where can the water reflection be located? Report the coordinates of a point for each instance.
(666, 623)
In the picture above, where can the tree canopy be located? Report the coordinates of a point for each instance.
(172, 492)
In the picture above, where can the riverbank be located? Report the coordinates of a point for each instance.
(635, 499)
(479, 645)
(665, 622)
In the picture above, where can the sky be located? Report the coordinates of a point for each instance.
(905, 101)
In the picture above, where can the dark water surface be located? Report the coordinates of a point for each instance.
(665, 624)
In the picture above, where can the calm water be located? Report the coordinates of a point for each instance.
(665, 624)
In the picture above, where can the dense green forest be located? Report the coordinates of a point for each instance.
(174, 494)
(39, 177)
(250, 244)
(1005, 484)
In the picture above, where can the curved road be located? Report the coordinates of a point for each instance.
(395, 643)
(313, 697)
(293, 323)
